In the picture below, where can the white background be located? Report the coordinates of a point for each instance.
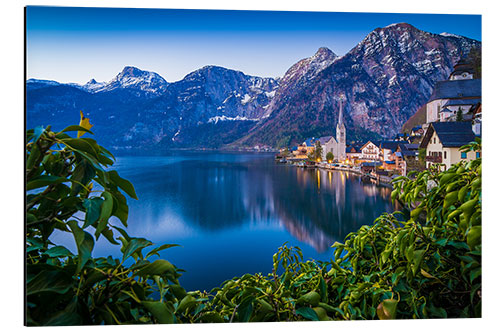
(12, 154)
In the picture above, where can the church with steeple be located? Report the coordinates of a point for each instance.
(335, 145)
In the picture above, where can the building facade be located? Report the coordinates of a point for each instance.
(442, 142)
(370, 151)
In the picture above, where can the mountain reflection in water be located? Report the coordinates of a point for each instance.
(317, 207)
(231, 212)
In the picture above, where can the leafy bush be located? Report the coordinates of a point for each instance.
(424, 264)
(70, 190)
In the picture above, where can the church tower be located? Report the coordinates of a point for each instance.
(341, 134)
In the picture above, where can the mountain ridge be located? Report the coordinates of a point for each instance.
(385, 78)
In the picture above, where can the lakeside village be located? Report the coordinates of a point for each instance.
(452, 119)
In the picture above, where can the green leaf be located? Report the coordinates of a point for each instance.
(94, 277)
(81, 146)
(160, 311)
(418, 255)
(321, 313)
(105, 214)
(157, 267)
(387, 309)
(475, 273)
(58, 251)
(307, 313)
(120, 207)
(124, 184)
(158, 249)
(311, 297)
(49, 281)
(35, 244)
(93, 210)
(33, 156)
(84, 242)
(178, 291)
(74, 128)
(474, 236)
(187, 302)
(108, 233)
(82, 174)
(245, 309)
(44, 180)
(123, 233)
(135, 245)
(459, 245)
(322, 289)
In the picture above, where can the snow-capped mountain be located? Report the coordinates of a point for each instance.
(205, 98)
(146, 109)
(384, 79)
(130, 78)
(36, 84)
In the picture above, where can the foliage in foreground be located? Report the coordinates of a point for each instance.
(70, 190)
(428, 266)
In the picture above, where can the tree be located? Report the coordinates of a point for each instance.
(475, 58)
(329, 156)
(460, 114)
(318, 151)
(311, 156)
(422, 153)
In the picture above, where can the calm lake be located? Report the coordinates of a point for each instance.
(231, 211)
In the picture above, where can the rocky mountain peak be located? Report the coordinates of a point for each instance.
(131, 72)
(307, 68)
(324, 54)
(384, 79)
(399, 26)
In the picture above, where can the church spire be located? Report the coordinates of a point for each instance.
(341, 132)
(340, 113)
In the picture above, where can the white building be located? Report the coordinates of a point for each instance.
(370, 151)
(448, 96)
(336, 147)
(461, 91)
(442, 142)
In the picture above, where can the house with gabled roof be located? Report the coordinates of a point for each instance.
(443, 140)
(370, 151)
(387, 148)
(468, 91)
(406, 158)
(328, 145)
(353, 152)
(462, 91)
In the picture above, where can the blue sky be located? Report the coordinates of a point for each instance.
(76, 44)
